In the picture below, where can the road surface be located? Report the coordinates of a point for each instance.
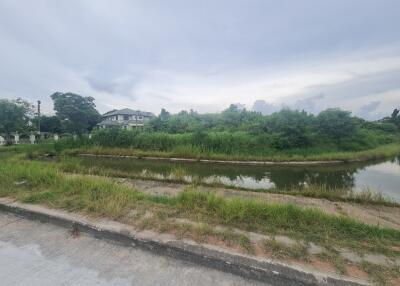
(39, 254)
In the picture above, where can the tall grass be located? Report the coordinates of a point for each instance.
(35, 182)
(214, 145)
(181, 175)
(256, 215)
(380, 152)
(39, 182)
(365, 195)
(238, 145)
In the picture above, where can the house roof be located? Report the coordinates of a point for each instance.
(119, 123)
(128, 111)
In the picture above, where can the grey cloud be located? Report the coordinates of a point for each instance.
(368, 111)
(111, 46)
(309, 104)
(359, 86)
(264, 107)
(101, 86)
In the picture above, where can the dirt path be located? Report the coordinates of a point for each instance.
(370, 214)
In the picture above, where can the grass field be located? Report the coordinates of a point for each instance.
(41, 182)
(72, 164)
(383, 151)
(199, 215)
(292, 155)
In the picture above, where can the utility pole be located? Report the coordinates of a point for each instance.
(38, 114)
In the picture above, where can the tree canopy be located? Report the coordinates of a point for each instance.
(231, 130)
(14, 115)
(77, 113)
(51, 124)
(285, 129)
(335, 123)
(395, 117)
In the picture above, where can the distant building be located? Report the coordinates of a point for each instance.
(125, 118)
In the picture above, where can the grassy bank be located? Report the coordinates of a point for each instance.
(185, 148)
(383, 151)
(72, 164)
(76, 165)
(40, 182)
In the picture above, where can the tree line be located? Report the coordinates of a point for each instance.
(235, 131)
(73, 114)
(286, 129)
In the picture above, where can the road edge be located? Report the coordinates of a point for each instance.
(266, 271)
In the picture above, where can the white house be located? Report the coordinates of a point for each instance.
(125, 118)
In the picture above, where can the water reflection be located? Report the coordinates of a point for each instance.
(381, 175)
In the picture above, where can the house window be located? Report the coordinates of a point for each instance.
(126, 117)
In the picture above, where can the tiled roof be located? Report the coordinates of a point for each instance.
(128, 111)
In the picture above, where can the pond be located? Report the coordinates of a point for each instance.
(382, 176)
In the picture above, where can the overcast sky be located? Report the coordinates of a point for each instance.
(204, 54)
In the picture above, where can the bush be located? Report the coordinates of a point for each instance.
(239, 133)
(335, 123)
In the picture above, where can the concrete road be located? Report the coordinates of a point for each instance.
(34, 253)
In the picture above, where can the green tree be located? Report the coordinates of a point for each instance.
(290, 128)
(164, 115)
(77, 113)
(395, 117)
(51, 124)
(15, 116)
(231, 117)
(336, 123)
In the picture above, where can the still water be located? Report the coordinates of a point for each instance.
(382, 176)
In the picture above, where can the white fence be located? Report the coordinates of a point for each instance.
(33, 138)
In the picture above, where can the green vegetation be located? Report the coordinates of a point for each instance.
(109, 168)
(284, 219)
(179, 175)
(383, 151)
(49, 174)
(141, 144)
(202, 215)
(243, 135)
(40, 182)
(394, 118)
(14, 116)
(52, 124)
(76, 113)
(234, 134)
(347, 195)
